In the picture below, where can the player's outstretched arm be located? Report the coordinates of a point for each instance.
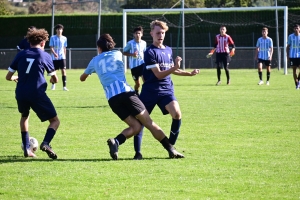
(180, 72)
(84, 76)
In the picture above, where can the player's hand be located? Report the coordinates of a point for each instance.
(178, 59)
(15, 78)
(231, 53)
(195, 71)
(209, 55)
(135, 54)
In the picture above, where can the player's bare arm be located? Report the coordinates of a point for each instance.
(10, 77)
(180, 72)
(83, 77)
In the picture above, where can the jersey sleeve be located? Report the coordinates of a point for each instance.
(51, 42)
(149, 58)
(289, 40)
(90, 68)
(66, 43)
(230, 41)
(127, 47)
(271, 43)
(48, 64)
(257, 43)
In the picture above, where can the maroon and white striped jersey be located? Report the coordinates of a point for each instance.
(222, 43)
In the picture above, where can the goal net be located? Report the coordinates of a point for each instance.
(192, 31)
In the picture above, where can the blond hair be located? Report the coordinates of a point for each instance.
(161, 24)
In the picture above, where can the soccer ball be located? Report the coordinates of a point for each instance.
(33, 144)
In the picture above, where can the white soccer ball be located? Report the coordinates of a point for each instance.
(33, 144)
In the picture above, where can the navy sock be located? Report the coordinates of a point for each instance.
(137, 141)
(25, 139)
(49, 135)
(176, 123)
(120, 139)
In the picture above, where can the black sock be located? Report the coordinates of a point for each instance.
(219, 73)
(175, 129)
(260, 75)
(25, 139)
(137, 141)
(137, 92)
(227, 74)
(120, 139)
(49, 135)
(64, 80)
(268, 76)
(166, 144)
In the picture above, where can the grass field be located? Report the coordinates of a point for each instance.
(241, 141)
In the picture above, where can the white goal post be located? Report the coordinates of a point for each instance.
(183, 10)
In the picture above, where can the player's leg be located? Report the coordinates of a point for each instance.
(268, 68)
(56, 67)
(259, 71)
(295, 67)
(158, 134)
(24, 108)
(218, 60)
(226, 61)
(136, 73)
(174, 109)
(63, 68)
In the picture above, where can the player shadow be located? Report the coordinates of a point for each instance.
(92, 107)
(16, 159)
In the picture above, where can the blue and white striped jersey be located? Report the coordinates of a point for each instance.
(58, 44)
(294, 43)
(110, 70)
(264, 45)
(133, 46)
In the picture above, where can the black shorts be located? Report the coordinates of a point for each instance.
(41, 105)
(137, 72)
(265, 62)
(222, 59)
(294, 62)
(59, 64)
(126, 104)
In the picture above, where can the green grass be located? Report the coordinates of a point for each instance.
(240, 141)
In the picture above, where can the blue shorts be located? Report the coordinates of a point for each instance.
(152, 99)
(41, 105)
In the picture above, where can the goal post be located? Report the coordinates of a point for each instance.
(207, 10)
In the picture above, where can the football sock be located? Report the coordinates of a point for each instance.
(64, 80)
(175, 129)
(227, 74)
(219, 73)
(120, 139)
(25, 139)
(166, 144)
(49, 135)
(268, 76)
(260, 75)
(137, 141)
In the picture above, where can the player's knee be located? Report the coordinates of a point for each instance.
(136, 128)
(25, 113)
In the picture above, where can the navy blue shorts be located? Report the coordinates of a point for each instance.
(126, 104)
(150, 100)
(294, 62)
(41, 105)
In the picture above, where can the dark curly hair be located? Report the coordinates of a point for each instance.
(106, 42)
(36, 36)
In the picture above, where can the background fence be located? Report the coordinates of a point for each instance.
(78, 58)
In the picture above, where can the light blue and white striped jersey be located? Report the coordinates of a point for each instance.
(133, 46)
(58, 44)
(264, 45)
(294, 43)
(109, 67)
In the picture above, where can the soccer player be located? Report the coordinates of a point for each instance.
(223, 54)
(24, 44)
(158, 86)
(121, 98)
(135, 51)
(263, 55)
(293, 53)
(58, 45)
(31, 89)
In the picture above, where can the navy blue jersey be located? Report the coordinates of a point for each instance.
(24, 44)
(31, 64)
(162, 58)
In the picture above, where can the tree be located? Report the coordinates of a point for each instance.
(4, 8)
